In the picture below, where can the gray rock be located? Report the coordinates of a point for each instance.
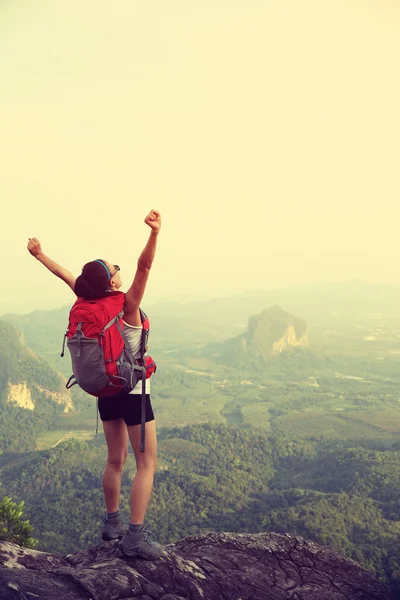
(212, 566)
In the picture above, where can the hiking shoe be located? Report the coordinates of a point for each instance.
(114, 529)
(141, 544)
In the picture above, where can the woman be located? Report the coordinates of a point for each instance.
(121, 415)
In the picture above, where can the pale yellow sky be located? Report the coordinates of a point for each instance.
(266, 132)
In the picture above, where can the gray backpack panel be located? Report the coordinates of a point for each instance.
(87, 363)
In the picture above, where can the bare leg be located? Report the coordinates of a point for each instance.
(117, 443)
(146, 464)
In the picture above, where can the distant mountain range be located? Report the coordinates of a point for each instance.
(188, 327)
(313, 301)
(216, 319)
(316, 303)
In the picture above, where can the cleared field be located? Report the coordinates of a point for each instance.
(316, 424)
(256, 415)
(386, 419)
(200, 364)
(186, 408)
(50, 439)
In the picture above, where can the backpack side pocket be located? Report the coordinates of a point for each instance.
(88, 363)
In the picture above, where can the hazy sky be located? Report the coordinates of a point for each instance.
(266, 132)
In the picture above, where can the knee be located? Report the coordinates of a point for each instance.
(148, 463)
(116, 463)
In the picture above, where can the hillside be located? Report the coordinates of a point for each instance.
(215, 478)
(268, 335)
(43, 332)
(32, 392)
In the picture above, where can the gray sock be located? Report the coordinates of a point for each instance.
(113, 517)
(135, 528)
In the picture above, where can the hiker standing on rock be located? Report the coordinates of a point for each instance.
(121, 414)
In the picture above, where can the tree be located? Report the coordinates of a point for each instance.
(12, 527)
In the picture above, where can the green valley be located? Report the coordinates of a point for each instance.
(281, 419)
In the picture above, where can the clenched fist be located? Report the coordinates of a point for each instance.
(34, 246)
(153, 220)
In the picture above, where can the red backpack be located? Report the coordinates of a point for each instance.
(102, 361)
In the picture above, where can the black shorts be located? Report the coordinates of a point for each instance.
(125, 406)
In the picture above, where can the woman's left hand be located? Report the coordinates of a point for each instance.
(153, 220)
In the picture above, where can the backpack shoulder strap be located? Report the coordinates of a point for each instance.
(145, 332)
(114, 320)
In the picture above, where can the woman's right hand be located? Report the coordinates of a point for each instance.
(34, 247)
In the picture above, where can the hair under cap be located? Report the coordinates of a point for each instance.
(93, 282)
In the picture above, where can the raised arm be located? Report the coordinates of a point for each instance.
(135, 293)
(35, 249)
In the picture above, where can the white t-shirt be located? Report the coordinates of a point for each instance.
(134, 336)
